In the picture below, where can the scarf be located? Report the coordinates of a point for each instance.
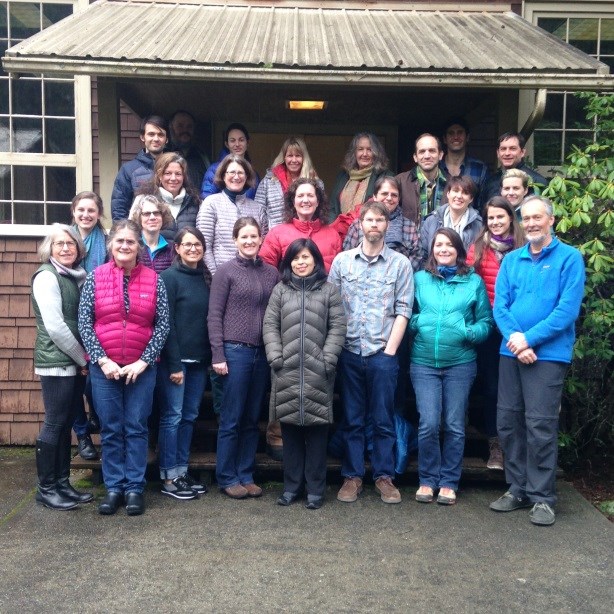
(459, 227)
(499, 245)
(281, 172)
(78, 273)
(447, 272)
(174, 202)
(95, 248)
(394, 234)
(355, 189)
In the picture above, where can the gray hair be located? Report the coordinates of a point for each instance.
(127, 225)
(44, 251)
(137, 208)
(544, 201)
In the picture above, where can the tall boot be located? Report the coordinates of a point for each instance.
(93, 422)
(47, 492)
(62, 470)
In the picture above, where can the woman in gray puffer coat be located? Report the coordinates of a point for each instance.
(304, 330)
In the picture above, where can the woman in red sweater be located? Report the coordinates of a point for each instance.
(501, 235)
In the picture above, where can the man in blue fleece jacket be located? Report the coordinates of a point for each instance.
(538, 294)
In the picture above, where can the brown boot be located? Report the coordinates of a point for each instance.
(350, 490)
(274, 442)
(495, 458)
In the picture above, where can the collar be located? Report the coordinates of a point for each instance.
(527, 254)
(310, 226)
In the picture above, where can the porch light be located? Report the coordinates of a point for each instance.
(306, 105)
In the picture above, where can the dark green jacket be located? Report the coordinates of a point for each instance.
(46, 353)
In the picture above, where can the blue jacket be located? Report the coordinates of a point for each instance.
(129, 178)
(208, 187)
(450, 319)
(541, 298)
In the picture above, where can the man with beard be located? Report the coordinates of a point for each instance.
(182, 126)
(538, 294)
(377, 289)
(422, 187)
(154, 135)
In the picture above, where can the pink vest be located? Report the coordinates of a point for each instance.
(123, 336)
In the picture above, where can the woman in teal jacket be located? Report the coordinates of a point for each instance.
(452, 315)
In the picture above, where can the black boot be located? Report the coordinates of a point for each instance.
(86, 448)
(47, 492)
(93, 422)
(62, 470)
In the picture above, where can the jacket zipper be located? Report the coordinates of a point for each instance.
(301, 407)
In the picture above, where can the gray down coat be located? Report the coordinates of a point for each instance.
(304, 330)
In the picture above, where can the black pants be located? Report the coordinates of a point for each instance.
(305, 458)
(61, 397)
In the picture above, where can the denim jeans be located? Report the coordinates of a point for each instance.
(368, 385)
(245, 387)
(179, 407)
(441, 393)
(123, 410)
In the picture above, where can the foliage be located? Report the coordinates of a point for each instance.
(582, 192)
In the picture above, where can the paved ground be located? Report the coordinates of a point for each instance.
(220, 555)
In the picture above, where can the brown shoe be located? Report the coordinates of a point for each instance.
(253, 490)
(350, 490)
(389, 492)
(235, 492)
(495, 457)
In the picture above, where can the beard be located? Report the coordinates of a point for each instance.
(374, 236)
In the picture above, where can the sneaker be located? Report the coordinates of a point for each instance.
(542, 514)
(178, 489)
(388, 491)
(509, 502)
(495, 458)
(195, 485)
(350, 490)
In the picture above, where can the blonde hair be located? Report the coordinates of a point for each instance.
(516, 172)
(297, 143)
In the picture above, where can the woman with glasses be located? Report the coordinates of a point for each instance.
(124, 322)
(182, 372)
(171, 184)
(152, 215)
(219, 212)
(59, 361)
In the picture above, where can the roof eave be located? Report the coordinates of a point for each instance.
(16, 66)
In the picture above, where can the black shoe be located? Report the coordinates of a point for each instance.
(65, 488)
(195, 485)
(110, 504)
(508, 503)
(86, 448)
(288, 498)
(93, 423)
(314, 502)
(135, 503)
(49, 496)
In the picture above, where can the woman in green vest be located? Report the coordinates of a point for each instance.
(59, 361)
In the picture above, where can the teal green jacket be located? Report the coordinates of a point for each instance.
(449, 320)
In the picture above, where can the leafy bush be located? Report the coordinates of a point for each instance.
(583, 195)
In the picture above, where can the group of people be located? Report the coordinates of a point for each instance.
(290, 292)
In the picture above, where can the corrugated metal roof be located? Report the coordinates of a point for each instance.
(177, 40)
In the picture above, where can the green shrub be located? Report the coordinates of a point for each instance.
(583, 194)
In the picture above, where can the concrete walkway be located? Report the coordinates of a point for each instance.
(220, 555)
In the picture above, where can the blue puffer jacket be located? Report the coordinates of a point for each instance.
(450, 319)
(208, 187)
(130, 177)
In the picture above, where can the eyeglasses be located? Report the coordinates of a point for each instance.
(190, 246)
(64, 245)
(151, 214)
(236, 173)
(128, 242)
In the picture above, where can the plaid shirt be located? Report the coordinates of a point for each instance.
(476, 169)
(429, 205)
(410, 240)
(374, 294)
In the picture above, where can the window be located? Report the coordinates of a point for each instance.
(37, 126)
(564, 123)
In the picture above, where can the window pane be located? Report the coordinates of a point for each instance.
(5, 213)
(28, 135)
(553, 116)
(607, 37)
(548, 146)
(24, 19)
(576, 114)
(61, 183)
(58, 213)
(29, 213)
(27, 97)
(59, 98)
(583, 34)
(4, 95)
(610, 62)
(4, 134)
(580, 139)
(60, 136)
(3, 47)
(28, 182)
(554, 26)
(5, 182)
(4, 29)
(52, 13)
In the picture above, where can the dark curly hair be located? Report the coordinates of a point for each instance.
(321, 212)
(461, 253)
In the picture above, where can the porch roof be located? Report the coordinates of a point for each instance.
(338, 43)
